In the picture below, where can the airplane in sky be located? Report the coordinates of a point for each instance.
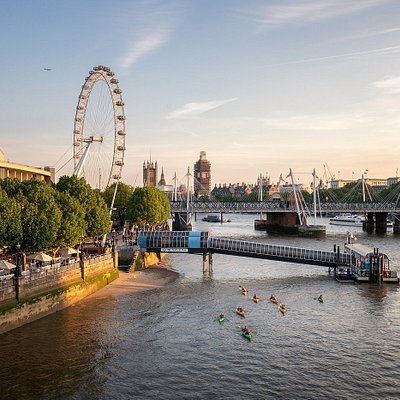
(47, 69)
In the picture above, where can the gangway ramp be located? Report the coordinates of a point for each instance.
(203, 243)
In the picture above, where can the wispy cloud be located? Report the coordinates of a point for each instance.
(369, 34)
(296, 11)
(391, 84)
(191, 109)
(150, 26)
(145, 45)
(356, 54)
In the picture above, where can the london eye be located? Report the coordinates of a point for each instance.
(99, 129)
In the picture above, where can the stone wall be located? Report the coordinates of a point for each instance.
(55, 291)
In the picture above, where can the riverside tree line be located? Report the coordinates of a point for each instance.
(39, 216)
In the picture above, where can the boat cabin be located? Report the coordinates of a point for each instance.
(369, 265)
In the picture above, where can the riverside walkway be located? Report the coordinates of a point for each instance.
(202, 243)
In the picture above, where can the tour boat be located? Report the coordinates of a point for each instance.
(347, 220)
(214, 218)
(352, 220)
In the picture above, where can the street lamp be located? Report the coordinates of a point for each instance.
(17, 266)
(17, 271)
(113, 239)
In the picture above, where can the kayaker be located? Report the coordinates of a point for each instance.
(320, 297)
(283, 306)
(255, 297)
(245, 330)
(221, 315)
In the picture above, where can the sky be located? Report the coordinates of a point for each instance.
(261, 86)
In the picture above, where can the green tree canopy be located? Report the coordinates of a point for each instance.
(148, 205)
(98, 221)
(124, 193)
(10, 221)
(41, 216)
(72, 226)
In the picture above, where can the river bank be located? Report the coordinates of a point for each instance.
(146, 279)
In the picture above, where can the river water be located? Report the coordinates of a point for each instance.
(167, 343)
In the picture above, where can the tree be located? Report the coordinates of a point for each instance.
(72, 225)
(40, 216)
(148, 205)
(124, 193)
(10, 221)
(98, 221)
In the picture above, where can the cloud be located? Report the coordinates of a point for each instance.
(191, 109)
(305, 11)
(356, 54)
(145, 45)
(148, 25)
(391, 84)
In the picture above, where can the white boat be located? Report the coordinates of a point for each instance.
(347, 220)
(352, 220)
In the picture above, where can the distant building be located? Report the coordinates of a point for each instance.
(162, 179)
(392, 181)
(24, 172)
(202, 176)
(339, 183)
(150, 171)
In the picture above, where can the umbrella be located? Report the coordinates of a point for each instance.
(68, 251)
(40, 257)
(5, 265)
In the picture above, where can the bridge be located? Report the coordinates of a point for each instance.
(271, 206)
(202, 243)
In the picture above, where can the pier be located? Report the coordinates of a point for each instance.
(203, 244)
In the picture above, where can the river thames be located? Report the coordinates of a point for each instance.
(167, 344)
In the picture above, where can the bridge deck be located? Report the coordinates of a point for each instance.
(202, 243)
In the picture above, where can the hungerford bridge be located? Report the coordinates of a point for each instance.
(277, 212)
(271, 206)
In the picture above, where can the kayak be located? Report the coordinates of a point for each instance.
(255, 299)
(282, 309)
(273, 300)
(246, 335)
(244, 291)
(241, 313)
(221, 319)
(321, 300)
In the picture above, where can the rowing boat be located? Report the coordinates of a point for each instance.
(282, 308)
(241, 313)
(273, 299)
(255, 299)
(246, 335)
(221, 318)
(244, 291)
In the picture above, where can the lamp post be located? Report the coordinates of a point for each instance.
(113, 240)
(17, 271)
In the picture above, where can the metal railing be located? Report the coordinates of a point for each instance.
(272, 206)
(285, 252)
